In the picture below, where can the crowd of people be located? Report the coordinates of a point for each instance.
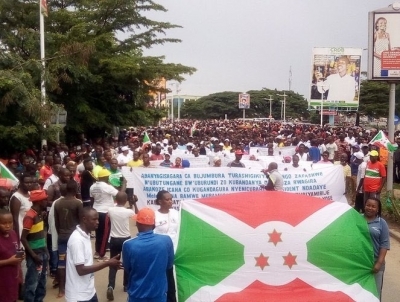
(65, 193)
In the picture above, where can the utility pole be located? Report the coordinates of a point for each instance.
(290, 78)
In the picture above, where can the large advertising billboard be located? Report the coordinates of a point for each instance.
(335, 77)
(244, 101)
(384, 45)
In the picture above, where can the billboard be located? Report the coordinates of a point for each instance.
(384, 45)
(244, 101)
(335, 77)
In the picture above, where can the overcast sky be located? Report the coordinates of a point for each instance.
(240, 45)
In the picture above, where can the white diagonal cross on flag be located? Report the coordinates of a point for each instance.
(275, 253)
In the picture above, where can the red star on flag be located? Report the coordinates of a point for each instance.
(290, 260)
(261, 261)
(275, 237)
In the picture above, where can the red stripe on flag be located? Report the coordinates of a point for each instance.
(295, 291)
(251, 215)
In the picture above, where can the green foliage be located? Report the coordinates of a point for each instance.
(374, 99)
(95, 67)
(216, 105)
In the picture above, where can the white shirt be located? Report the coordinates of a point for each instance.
(331, 148)
(49, 181)
(350, 141)
(25, 206)
(119, 217)
(52, 227)
(103, 195)
(340, 88)
(122, 159)
(361, 174)
(167, 224)
(79, 251)
(322, 148)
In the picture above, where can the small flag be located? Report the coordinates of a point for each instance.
(191, 132)
(146, 139)
(7, 178)
(381, 140)
(43, 7)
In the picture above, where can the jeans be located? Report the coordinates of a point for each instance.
(35, 280)
(93, 299)
(53, 261)
(115, 249)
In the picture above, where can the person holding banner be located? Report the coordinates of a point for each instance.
(275, 179)
(237, 163)
(379, 232)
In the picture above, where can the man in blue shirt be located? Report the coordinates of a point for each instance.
(146, 259)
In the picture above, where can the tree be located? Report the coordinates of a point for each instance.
(218, 104)
(96, 68)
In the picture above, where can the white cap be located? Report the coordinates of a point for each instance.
(124, 148)
(165, 141)
(227, 139)
(359, 155)
(221, 144)
(189, 145)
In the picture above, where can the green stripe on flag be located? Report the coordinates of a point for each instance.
(205, 255)
(5, 173)
(325, 253)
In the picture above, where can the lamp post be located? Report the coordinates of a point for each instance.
(284, 105)
(270, 105)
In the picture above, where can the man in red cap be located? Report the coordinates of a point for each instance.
(147, 259)
(237, 163)
(33, 239)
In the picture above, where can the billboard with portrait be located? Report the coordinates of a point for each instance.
(335, 77)
(244, 101)
(384, 45)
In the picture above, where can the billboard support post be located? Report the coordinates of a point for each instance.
(244, 115)
(392, 100)
(322, 110)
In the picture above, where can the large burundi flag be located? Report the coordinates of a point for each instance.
(273, 246)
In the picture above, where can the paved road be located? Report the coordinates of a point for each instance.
(391, 288)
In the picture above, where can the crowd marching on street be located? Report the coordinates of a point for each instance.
(70, 194)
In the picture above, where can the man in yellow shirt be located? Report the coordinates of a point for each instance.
(136, 161)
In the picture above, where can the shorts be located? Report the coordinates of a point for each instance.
(62, 253)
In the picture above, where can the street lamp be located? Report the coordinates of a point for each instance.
(270, 105)
(284, 105)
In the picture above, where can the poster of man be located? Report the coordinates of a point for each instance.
(335, 77)
(244, 101)
(384, 46)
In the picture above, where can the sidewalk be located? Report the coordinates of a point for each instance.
(395, 234)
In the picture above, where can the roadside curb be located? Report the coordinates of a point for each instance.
(395, 235)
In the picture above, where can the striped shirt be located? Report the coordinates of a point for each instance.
(373, 176)
(33, 222)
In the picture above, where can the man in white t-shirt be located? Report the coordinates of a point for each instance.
(119, 217)
(124, 157)
(53, 177)
(79, 285)
(332, 148)
(102, 195)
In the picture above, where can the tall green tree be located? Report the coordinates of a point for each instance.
(95, 65)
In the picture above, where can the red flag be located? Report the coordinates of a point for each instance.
(43, 7)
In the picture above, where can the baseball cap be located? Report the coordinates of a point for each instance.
(359, 155)
(37, 195)
(373, 153)
(104, 173)
(145, 216)
(124, 148)
(239, 152)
